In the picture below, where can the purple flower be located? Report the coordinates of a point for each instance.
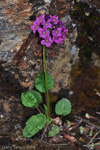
(35, 26)
(58, 40)
(65, 30)
(47, 24)
(54, 26)
(64, 33)
(54, 19)
(57, 32)
(40, 19)
(47, 41)
(47, 17)
(62, 24)
(43, 32)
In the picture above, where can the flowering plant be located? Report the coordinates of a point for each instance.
(50, 30)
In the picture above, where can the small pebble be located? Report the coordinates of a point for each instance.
(25, 58)
(47, 1)
(17, 126)
(1, 116)
(71, 92)
(73, 24)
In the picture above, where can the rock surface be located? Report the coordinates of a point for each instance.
(14, 28)
(20, 52)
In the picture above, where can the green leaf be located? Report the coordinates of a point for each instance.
(54, 130)
(40, 82)
(31, 98)
(31, 127)
(52, 133)
(34, 124)
(37, 96)
(29, 132)
(46, 109)
(81, 129)
(49, 120)
(92, 146)
(41, 121)
(63, 107)
(69, 123)
(32, 121)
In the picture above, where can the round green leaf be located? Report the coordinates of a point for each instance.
(34, 124)
(31, 126)
(63, 107)
(52, 133)
(31, 98)
(29, 132)
(38, 97)
(40, 82)
(55, 129)
(28, 99)
(32, 121)
(41, 121)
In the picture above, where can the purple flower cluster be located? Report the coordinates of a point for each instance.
(50, 29)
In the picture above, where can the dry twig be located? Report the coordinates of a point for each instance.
(87, 122)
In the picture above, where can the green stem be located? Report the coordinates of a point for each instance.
(38, 109)
(46, 82)
(42, 110)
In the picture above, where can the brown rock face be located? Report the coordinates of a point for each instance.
(20, 49)
(59, 7)
(14, 28)
(15, 35)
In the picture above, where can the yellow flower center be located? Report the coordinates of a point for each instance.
(43, 32)
(36, 27)
(47, 40)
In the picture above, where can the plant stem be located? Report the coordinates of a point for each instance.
(42, 110)
(38, 109)
(46, 82)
